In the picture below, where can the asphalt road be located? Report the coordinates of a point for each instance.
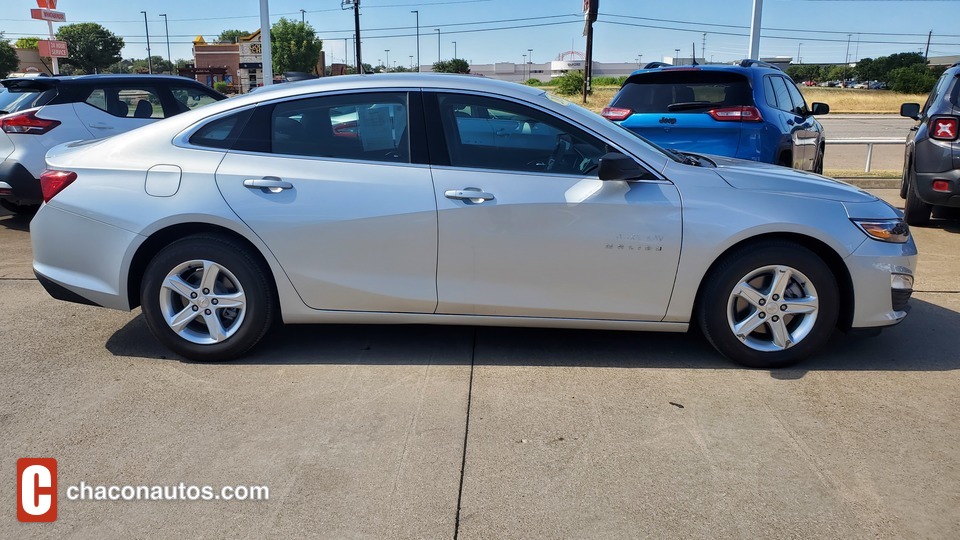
(447, 432)
(865, 126)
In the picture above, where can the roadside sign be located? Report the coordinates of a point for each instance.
(52, 48)
(48, 15)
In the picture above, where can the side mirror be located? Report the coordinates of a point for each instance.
(910, 110)
(616, 166)
(819, 109)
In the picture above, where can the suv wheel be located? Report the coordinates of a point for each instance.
(915, 211)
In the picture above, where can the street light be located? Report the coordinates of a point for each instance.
(303, 15)
(523, 70)
(417, 13)
(454, 49)
(798, 52)
(677, 56)
(167, 30)
(388, 57)
(411, 61)
(439, 57)
(147, 28)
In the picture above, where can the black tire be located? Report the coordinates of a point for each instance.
(915, 211)
(238, 274)
(20, 209)
(719, 308)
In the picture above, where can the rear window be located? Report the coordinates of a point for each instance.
(15, 100)
(679, 91)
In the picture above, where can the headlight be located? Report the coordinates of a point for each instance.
(885, 230)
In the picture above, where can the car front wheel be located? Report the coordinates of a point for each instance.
(769, 304)
(207, 298)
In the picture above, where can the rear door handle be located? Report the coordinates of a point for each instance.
(101, 125)
(267, 184)
(471, 194)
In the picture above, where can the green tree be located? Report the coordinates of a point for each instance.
(295, 46)
(27, 43)
(455, 65)
(914, 79)
(804, 72)
(231, 36)
(91, 46)
(160, 65)
(570, 83)
(8, 58)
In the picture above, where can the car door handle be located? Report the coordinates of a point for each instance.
(267, 184)
(473, 195)
(101, 125)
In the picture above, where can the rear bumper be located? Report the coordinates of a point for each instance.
(951, 198)
(24, 188)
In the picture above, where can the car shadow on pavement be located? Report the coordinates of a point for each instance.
(15, 222)
(923, 342)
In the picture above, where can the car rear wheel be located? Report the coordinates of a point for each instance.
(769, 304)
(207, 298)
(915, 211)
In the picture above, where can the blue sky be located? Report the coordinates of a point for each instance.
(503, 30)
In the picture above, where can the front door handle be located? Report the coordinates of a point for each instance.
(471, 194)
(267, 184)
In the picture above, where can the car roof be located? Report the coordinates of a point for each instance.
(745, 66)
(80, 79)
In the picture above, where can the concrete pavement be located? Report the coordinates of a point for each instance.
(440, 432)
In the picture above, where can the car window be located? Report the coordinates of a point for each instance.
(799, 104)
(782, 94)
(935, 93)
(769, 95)
(679, 91)
(127, 101)
(503, 135)
(16, 100)
(190, 97)
(222, 132)
(370, 127)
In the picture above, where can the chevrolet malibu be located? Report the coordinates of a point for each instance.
(442, 199)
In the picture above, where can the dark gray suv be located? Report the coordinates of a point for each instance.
(931, 166)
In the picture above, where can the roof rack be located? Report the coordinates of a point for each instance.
(748, 62)
(955, 65)
(654, 65)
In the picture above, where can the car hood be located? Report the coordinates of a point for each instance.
(751, 175)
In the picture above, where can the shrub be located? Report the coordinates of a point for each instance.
(915, 79)
(570, 83)
(533, 82)
(221, 86)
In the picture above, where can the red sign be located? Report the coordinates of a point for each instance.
(47, 4)
(48, 15)
(52, 49)
(37, 490)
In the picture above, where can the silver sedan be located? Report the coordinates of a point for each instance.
(445, 199)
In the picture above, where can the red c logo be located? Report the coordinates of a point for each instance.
(37, 490)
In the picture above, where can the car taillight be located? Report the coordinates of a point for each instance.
(616, 113)
(53, 182)
(944, 128)
(27, 123)
(736, 114)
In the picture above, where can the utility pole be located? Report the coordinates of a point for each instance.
(755, 30)
(454, 49)
(303, 17)
(591, 10)
(846, 62)
(266, 47)
(926, 53)
(703, 48)
(147, 28)
(167, 30)
(417, 13)
(798, 52)
(356, 22)
(439, 57)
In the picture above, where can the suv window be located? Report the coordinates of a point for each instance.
(799, 104)
(190, 97)
(222, 132)
(487, 133)
(127, 102)
(781, 93)
(676, 91)
(15, 100)
(371, 127)
(937, 90)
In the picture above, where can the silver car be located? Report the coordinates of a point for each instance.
(446, 199)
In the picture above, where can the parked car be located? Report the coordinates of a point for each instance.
(751, 110)
(456, 200)
(931, 163)
(41, 112)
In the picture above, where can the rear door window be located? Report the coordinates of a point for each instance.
(187, 98)
(680, 91)
(780, 91)
(127, 101)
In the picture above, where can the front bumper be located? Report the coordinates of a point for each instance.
(882, 275)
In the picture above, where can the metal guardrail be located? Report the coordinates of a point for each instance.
(870, 144)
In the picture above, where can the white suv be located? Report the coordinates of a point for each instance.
(39, 113)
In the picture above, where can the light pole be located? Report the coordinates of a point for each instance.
(166, 29)
(388, 57)
(454, 49)
(303, 16)
(147, 28)
(676, 57)
(846, 62)
(529, 62)
(798, 52)
(523, 70)
(439, 57)
(417, 13)
(411, 61)
(639, 60)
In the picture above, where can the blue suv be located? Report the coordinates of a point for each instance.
(750, 110)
